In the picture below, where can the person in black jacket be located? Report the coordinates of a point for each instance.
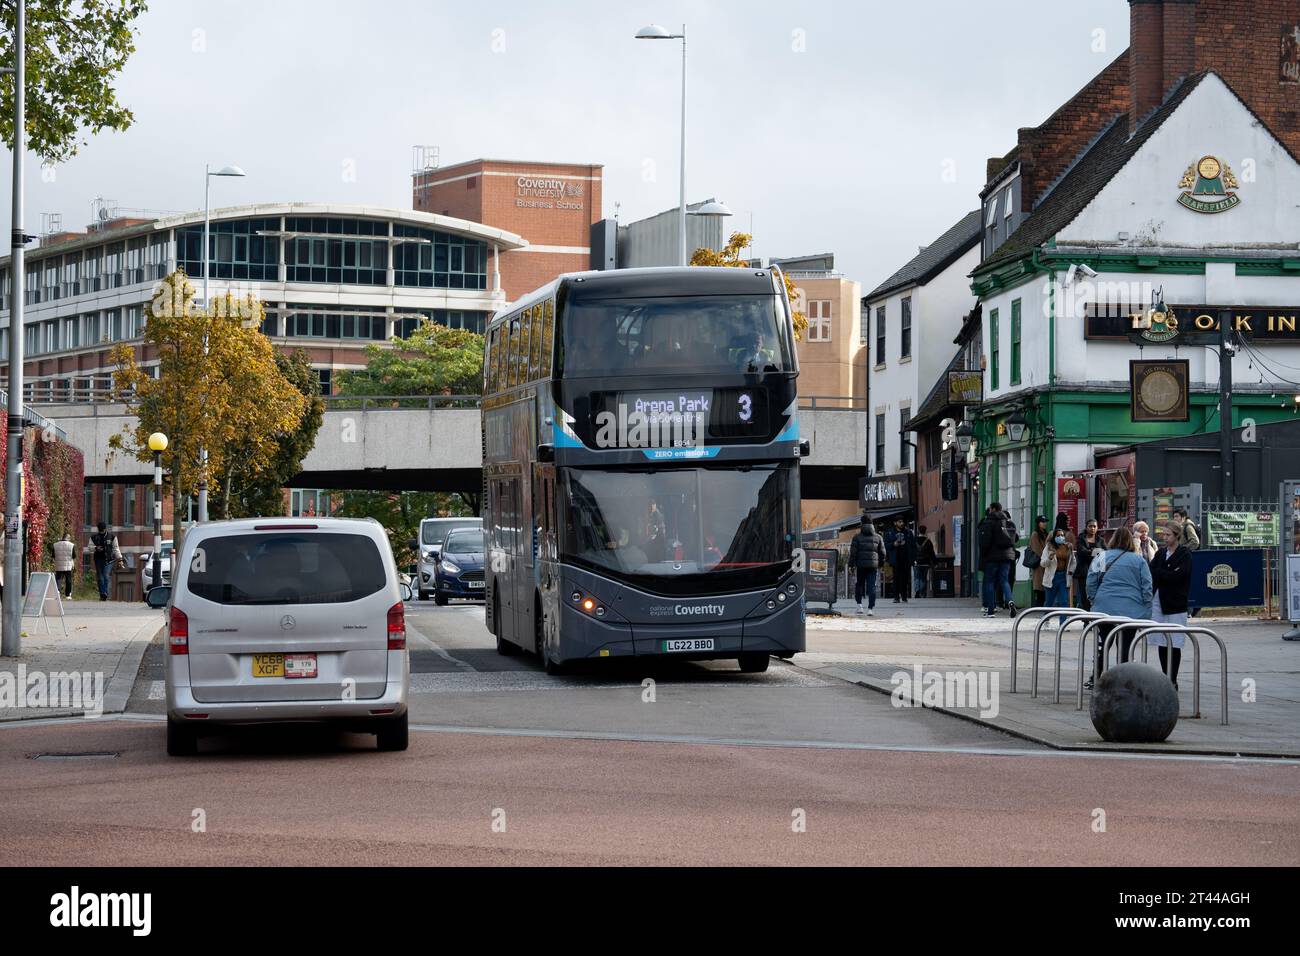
(1171, 579)
(901, 547)
(997, 538)
(866, 554)
(1089, 542)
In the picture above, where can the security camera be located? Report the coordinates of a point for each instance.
(1087, 270)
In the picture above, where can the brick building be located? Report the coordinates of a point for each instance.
(551, 205)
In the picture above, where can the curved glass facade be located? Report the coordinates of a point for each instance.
(239, 248)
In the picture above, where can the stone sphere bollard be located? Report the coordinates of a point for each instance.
(1134, 704)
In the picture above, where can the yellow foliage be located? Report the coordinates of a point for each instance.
(731, 256)
(217, 386)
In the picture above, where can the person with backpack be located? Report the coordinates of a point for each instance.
(866, 554)
(1188, 535)
(106, 554)
(924, 563)
(997, 553)
(1119, 585)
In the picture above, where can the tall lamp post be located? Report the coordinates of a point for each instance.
(157, 445)
(208, 173)
(656, 32)
(11, 625)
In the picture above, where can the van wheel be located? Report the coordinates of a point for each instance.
(552, 667)
(392, 734)
(753, 663)
(182, 739)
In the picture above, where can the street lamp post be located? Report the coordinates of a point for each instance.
(11, 625)
(207, 255)
(157, 445)
(656, 32)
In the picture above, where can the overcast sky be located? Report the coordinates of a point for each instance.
(831, 124)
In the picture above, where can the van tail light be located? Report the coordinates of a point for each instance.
(397, 627)
(178, 634)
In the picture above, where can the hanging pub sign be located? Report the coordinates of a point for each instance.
(1182, 325)
(965, 387)
(1159, 390)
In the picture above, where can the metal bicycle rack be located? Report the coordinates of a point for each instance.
(1046, 612)
(1087, 616)
(1191, 632)
(1083, 642)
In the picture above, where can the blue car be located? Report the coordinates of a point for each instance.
(458, 572)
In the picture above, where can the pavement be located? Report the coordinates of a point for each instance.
(950, 636)
(104, 639)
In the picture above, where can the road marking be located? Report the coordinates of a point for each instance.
(423, 639)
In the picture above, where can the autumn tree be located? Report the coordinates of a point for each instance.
(730, 255)
(243, 492)
(218, 388)
(400, 513)
(432, 360)
(74, 52)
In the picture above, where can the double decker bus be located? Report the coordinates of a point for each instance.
(641, 468)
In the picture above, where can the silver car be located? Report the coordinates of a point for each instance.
(285, 619)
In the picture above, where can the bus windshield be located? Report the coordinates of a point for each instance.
(683, 530)
(689, 334)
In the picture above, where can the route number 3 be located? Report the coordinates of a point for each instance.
(746, 402)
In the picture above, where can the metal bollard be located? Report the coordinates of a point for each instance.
(1191, 632)
(1114, 637)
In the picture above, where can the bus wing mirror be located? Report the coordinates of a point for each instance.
(805, 448)
(545, 452)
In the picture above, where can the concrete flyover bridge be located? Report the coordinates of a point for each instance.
(433, 443)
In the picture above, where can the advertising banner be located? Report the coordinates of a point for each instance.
(1072, 499)
(1227, 578)
(821, 584)
(1242, 529)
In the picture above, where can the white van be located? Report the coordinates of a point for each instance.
(285, 619)
(433, 532)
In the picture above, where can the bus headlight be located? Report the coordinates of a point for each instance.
(780, 598)
(771, 605)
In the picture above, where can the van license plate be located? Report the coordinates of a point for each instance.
(268, 665)
(693, 644)
(299, 665)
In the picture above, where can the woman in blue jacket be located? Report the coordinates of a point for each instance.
(1119, 584)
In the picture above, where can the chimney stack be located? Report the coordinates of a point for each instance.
(1162, 50)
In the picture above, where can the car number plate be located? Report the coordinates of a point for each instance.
(268, 665)
(692, 644)
(299, 665)
(475, 584)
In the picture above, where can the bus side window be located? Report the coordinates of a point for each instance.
(548, 337)
(489, 366)
(525, 334)
(512, 352)
(535, 345)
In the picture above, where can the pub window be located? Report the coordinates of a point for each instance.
(993, 350)
(933, 448)
(904, 449)
(880, 335)
(1015, 342)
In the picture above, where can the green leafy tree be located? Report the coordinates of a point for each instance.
(433, 360)
(245, 492)
(75, 51)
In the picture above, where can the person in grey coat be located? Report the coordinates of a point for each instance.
(866, 554)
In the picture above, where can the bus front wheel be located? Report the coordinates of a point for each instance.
(552, 667)
(753, 663)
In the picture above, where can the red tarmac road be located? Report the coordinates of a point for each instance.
(308, 800)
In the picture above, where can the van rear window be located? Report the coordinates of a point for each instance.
(285, 568)
(435, 532)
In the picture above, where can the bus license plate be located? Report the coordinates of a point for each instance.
(693, 644)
